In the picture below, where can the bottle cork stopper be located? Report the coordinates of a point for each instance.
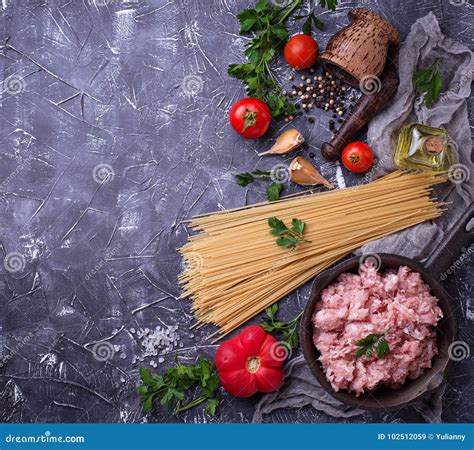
(433, 145)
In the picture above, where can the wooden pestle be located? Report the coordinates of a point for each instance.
(364, 110)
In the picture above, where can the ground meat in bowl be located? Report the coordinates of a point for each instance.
(397, 305)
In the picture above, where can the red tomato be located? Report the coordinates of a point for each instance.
(301, 51)
(357, 157)
(250, 117)
(250, 362)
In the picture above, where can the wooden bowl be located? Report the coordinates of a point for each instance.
(383, 397)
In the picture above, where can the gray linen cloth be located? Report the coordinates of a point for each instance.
(424, 45)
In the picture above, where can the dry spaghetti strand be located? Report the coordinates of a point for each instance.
(234, 269)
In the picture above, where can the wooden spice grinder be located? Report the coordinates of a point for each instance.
(360, 49)
(364, 110)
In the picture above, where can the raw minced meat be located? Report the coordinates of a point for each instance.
(397, 304)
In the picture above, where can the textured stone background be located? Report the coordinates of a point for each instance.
(113, 129)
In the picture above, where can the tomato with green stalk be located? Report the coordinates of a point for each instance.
(357, 157)
(250, 117)
(251, 362)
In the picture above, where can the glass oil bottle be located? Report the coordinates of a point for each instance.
(423, 147)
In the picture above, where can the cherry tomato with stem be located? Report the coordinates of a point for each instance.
(357, 157)
(250, 117)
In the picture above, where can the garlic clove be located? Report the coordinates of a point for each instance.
(288, 141)
(304, 173)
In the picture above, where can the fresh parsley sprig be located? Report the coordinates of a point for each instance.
(428, 81)
(311, 18)
(288, 330)
(273, 190)
(245, 178)
(172, 386)
(289, 237)
(373, 341)
(267, 22)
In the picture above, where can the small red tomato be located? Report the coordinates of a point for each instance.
(357, 157)
(250, 362)
(250, 117)
(301, 51)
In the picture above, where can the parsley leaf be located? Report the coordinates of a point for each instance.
(273, 191)
(428, 81)
(329, 4)
(245, 178)
(297, 226)
(171, 387)
(373, 341)
(289, 237)
(311, 18)
(383, 348)
(288, 330)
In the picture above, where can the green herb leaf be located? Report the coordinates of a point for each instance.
(277, 225)
(428, 81)
(373, 341)
(173, 386)
(297, 226)
(247, 25)
(211, 406)
(306, 28)
(383, 348)
(369, 339)
(262, 5)
(245, 178)
(248, 18)
(422, 76)
(287, 242)
(287, 330)
(241, 71)
(271, 311)
(273, 191)
(329, 4)
(267, 22)
(280, 32)
(318, 24)
(289, 238)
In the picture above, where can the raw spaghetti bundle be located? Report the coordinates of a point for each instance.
(234, 269)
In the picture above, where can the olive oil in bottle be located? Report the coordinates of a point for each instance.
(423, 147)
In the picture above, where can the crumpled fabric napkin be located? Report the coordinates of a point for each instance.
(300, 389)
(424, 45)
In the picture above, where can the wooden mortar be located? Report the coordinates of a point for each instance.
(360, 49)
(364, 110)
